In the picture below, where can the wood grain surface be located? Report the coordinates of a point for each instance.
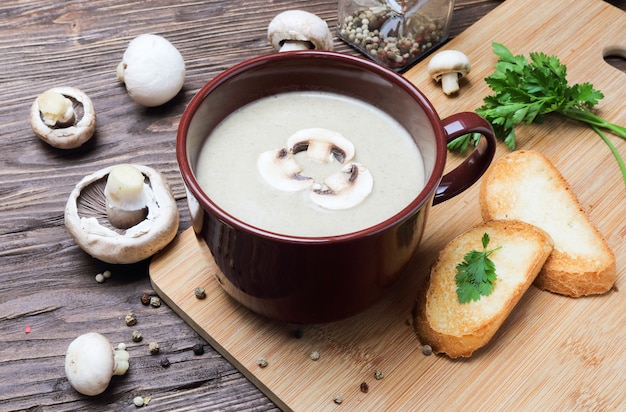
(552, 353)
(48, 294)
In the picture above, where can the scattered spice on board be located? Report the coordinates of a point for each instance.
(427, 350)
(153, 347)
(364, 387)
(338, 399)
(378, 375)
(155, 302)
(200, 293)
(262, 362)
(27, 329)
(315, 355)
(165, 362)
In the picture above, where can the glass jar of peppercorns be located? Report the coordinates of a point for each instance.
(395, 33)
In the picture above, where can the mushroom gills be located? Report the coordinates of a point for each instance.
(125, 194)
(321, 145)
(280, 169)
(344, 189)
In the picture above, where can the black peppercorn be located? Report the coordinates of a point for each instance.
(198, 349)
(165, 362)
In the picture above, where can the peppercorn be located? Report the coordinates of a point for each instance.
(155, 302)
(337, 398)
(315, 355)
(364, 387)
(200, 293)
(165, 362)
(137, 336)
(145, 299)
(262, 362)
(378, 375)
(106, 274)
(153, 347)
(100, 278)
(427, 350)
(130, 319)
(198, 349)
(138, 401)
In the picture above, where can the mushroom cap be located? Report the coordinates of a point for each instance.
(136, 243)
(69, 137)
(299, 25)
(152, 69)
(448, 61)
(344, 189)
(89, 363)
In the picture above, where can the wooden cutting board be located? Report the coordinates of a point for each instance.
(553, 353)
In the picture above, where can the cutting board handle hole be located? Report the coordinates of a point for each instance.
(615, 56)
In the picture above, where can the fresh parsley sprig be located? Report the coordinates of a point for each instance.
(476, 274)
(527, 90)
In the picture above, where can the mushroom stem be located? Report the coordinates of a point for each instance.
(120, 361)
(289, 45)
(125, 200)
(56, 109)
(450, 82)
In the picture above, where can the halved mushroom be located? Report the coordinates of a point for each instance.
(87, 222)
(344, 189)
(322, 145)
(63, 117)
(280, 169)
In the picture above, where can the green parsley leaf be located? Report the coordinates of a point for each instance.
(476, 274)
(527, 90)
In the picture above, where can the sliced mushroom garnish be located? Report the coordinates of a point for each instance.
(344, 189)
(280, 169)
(322, 145)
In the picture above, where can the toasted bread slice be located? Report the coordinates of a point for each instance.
(458, 329)
(525, 185)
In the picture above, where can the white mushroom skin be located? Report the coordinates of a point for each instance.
(53, 119)
(342, 190)
(448, 67)
(90, 362)
(280, 169)
(321, 145)
(299, 30)
(136, 243)
(345, 189)
(126, 193)
(152, 69)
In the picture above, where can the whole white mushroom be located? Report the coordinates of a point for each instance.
(91, 362)
(152, 69)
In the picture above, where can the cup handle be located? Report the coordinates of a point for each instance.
(467, 173)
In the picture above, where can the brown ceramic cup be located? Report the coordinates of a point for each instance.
(322, 279)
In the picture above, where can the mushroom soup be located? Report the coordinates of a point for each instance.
(310, 164)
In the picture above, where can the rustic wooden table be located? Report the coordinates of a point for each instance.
(48, 292)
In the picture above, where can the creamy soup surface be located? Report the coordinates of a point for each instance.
(227, 165)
